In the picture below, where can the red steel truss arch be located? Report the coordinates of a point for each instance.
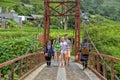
(70, 11)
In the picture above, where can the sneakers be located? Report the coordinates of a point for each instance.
(84, 67)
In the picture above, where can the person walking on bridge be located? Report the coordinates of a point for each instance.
(48, 51)
(69, 48)
(85, 50)
(63, 47)
(56, 45)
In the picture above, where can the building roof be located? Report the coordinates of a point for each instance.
(36, 16)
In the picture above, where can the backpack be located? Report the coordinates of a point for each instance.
(85, 49)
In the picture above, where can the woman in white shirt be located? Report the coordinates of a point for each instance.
(63, 48)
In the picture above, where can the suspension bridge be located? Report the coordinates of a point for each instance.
(32, 66)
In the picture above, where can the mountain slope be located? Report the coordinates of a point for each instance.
(112, 3)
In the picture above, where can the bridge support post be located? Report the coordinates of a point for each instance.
(77, 30)
(26, 64)
(112, 70)
(98, 64)
(92, 61)
(12, 78)
(104, 67)
(46, 21)
(20, 69)
(31, 62)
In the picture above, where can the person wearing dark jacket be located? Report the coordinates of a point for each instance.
(85, 50)
(48, 51)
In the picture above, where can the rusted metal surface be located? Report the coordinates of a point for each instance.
(75, 11)
(77, 28)
(14, 60)
(106, 56)
(62, 15)
(97, 73)
(104, 67)
(20, 69)
(96, 68)
(46, 21)
(30, 59)
(12, 71)
(98, 64)
(26, 65)
(112, 69)
(30, 71)
(31, 62)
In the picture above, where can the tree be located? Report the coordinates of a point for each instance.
(97, 4)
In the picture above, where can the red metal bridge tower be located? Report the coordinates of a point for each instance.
(70, 11)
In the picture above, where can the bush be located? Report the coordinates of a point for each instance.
(107, 40)
(54, 27)
(10, 49)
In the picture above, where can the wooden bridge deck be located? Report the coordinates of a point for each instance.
(72, 72)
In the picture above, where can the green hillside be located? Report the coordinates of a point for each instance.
(16, 5)
(9, 3)
(106, 36)
(108, 8)
(113, 3)
(104, 28)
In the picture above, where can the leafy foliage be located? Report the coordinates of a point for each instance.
(106, 36)
(109, 9)
(10, 49)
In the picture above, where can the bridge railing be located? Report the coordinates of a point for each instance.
(27, 64)
(102, 63)
(97, 63)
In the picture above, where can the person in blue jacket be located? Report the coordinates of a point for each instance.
(48, 51)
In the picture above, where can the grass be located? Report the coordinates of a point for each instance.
(17, 32)
(9, 3)
(41, 2)
(106, 37)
